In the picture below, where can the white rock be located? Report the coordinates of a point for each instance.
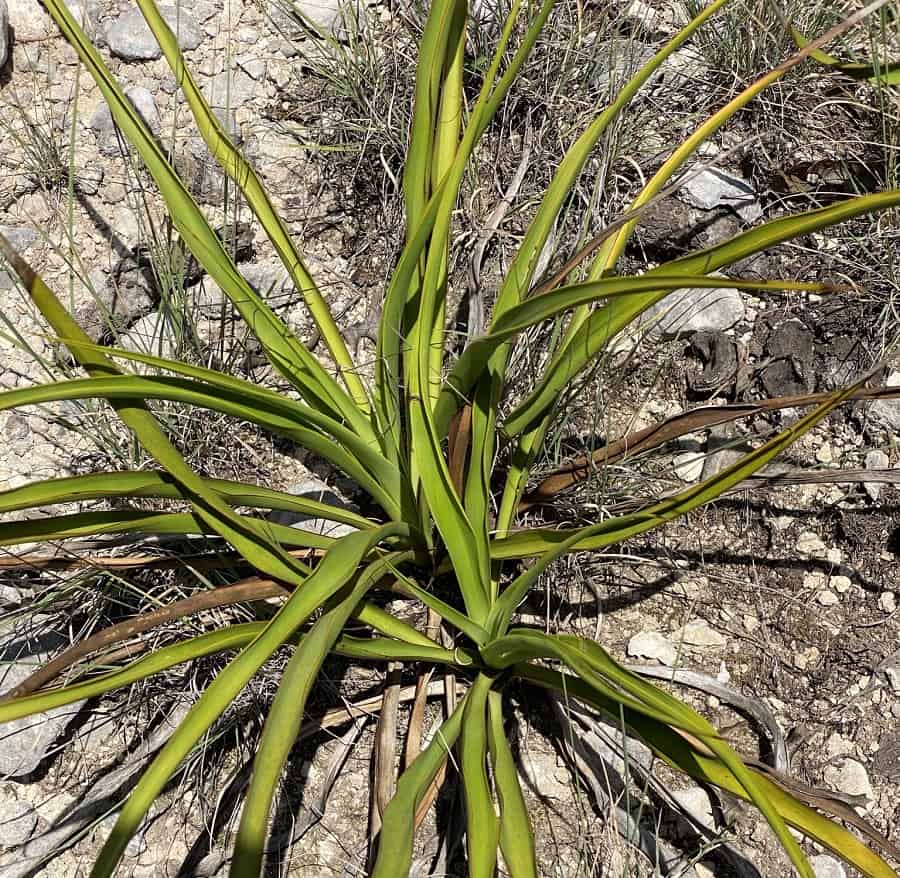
(18, 819)
(696, 802)
(688, 465)
(807, 657)
(312, 488)
(875, 459)
(105, 130)
(323, 14)
(887, 601)
(697, 633)
(149, 335)
(850, 777)
(653, 645)
(827, 598)
(685, 312)
(25, 742)
(887, 411)
(892, 673)
(840, 584)
(713, 188)
(827, 867)
(838, 745)
(810, 544)
(230, 89)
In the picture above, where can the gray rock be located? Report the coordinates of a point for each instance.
(697, 633)
(89, 178)
(105, 128)
(850, 777)
(652, 645)
(696, 802)
(713, 187)
(149, 335)
(887, 411)
(4, 33)
(875, 459)
(313, 489)
(230, 89)
(685, 312)
(615, 62)
(18, 819)
(113, 304)
(129, 36)
(20, 238)
(24, 743)
(322, 14)
(827, 867)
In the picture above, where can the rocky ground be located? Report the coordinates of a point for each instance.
(787, 594)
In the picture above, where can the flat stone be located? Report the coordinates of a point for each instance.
(313, 489)
(230, 89)
(129, 36)
(827, 598)
(652, 645)
(149, 335)
(827, 867)
(841, 584)
(323, 14)
(25, 742)
(810, 544)
(696, 802)
(887, 602)
(713, 188)
(850, 777)
(21, 238)
(699, 634)
(113, 304)
(685, 312)
(104, 127)
(875, 459)
(18, 819)
(887, 411)
(688, 465)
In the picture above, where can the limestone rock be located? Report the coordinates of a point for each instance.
(25, 742)
(685, 312)
(130, 38)
(105, 129)
(18, 819)
(696, 802)
(887, 411)
(699, 634)
(849, 776)
(714, 187)
(875, 459)
(314, 489)
(652, 645)
(827, 867)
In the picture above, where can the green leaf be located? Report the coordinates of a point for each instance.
(239, 170)
(285, 352)
(678, 752)
(886, 73)
(516, 836)
(139, 521)
(259, 408)
(143, 483)
(285, 716)
(329, 577)
(395, 841)
(482, 826)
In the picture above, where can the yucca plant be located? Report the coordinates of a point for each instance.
(424, 439)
